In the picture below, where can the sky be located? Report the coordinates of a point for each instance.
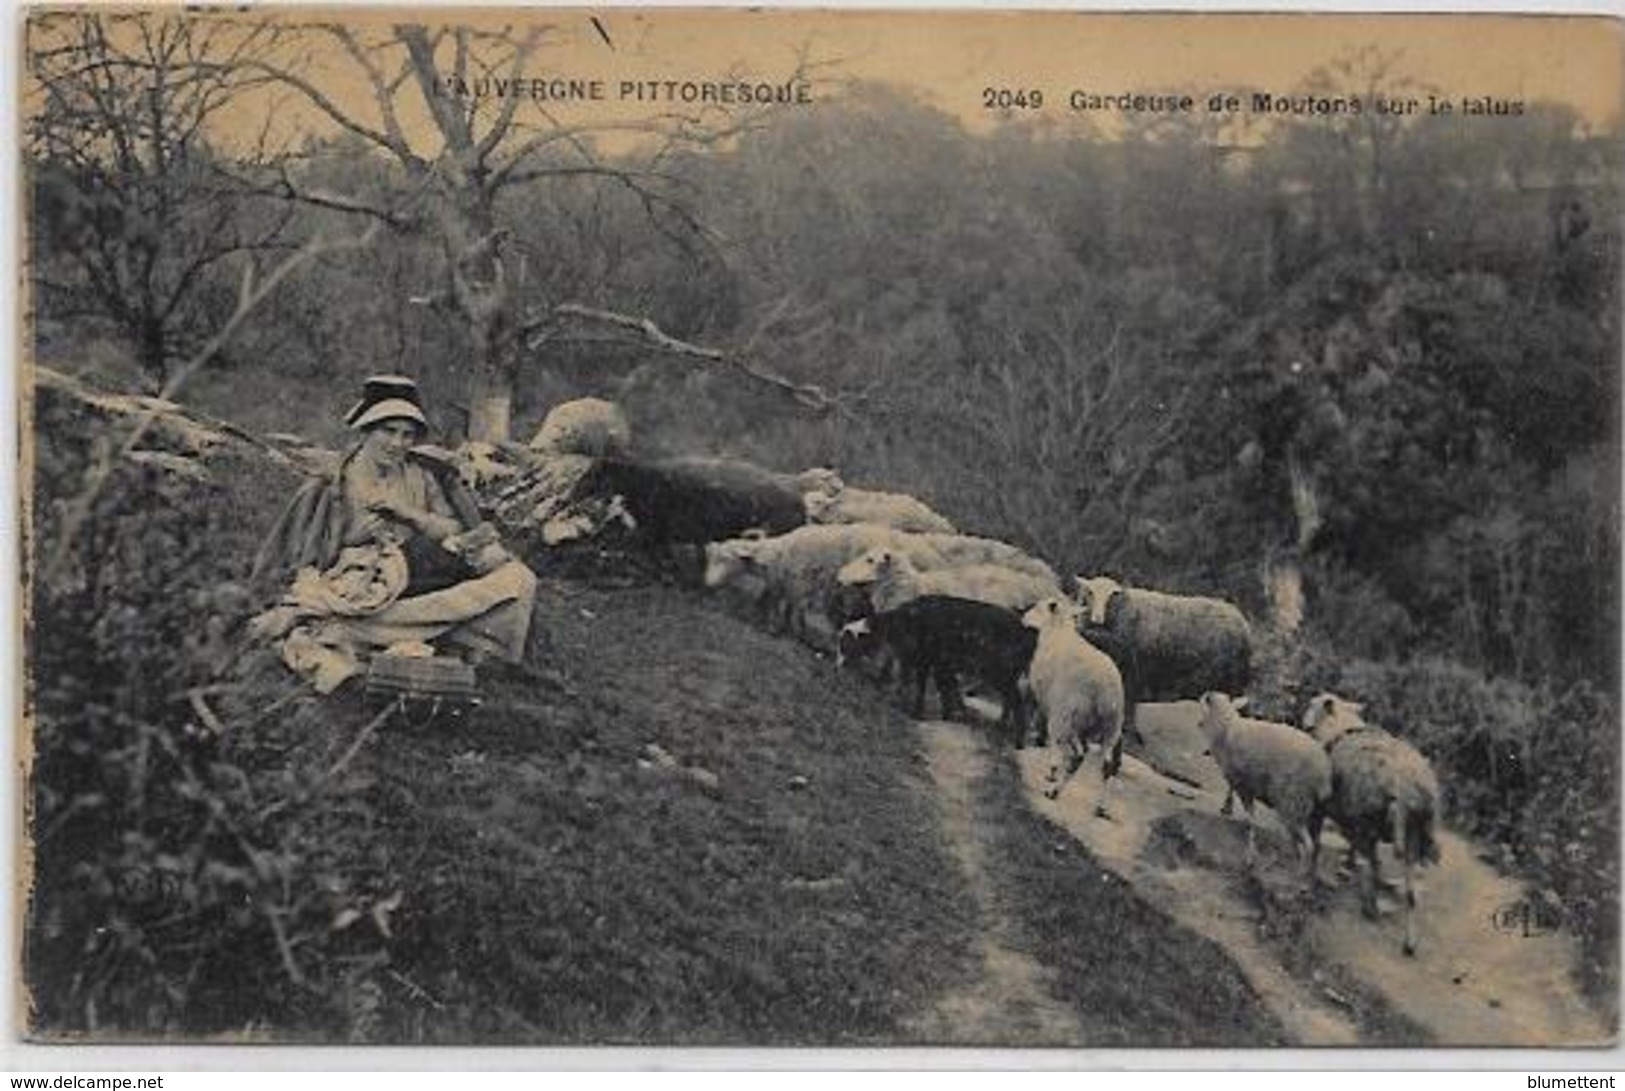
(955, 59)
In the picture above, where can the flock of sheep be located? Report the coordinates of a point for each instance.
(882, 579)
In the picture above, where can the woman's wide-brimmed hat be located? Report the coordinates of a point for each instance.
(387, 397)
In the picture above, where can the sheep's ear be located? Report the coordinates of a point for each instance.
(1239, 702)
(753, 534)
(1356, 707)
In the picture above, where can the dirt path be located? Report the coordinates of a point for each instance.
(1470, 983)
(1196, 897)
(1008, 1003)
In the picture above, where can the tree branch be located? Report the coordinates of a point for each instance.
(538, 331)
(251, 294)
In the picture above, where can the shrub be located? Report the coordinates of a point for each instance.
(187, 879)
(1532, 769)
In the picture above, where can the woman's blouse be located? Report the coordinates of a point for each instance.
(407, 485)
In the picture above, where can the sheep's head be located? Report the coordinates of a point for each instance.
(1094, 595)
(1219, 710)
(872, 567)
(1328, 715)
(817, 505)
(820, 481)
(617, 512)
(1052, 612)
(850, 640)
(728, 562)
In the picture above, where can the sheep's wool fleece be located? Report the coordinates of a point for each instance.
(1371, 768)
(1274, 762)
(586, 426)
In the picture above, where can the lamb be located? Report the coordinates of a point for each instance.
(790, 580)
(586, 426)
(1383, 789)
(1079, 694)
(853, 505)
(892, 579)
(944, 637)
(1270, 761)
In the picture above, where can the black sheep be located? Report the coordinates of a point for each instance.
(945, 637)
(695, 500)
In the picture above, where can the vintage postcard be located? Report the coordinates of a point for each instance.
(850, 528)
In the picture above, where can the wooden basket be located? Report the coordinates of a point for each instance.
(425, 688)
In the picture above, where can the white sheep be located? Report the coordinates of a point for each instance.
(1079, 694)
(1180, 646)
(959, 550)
(585, 426)
(1273, 762)
(790, 579)
(853, 505)
(892, 579)
(1383, 789)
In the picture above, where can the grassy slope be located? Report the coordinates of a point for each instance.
(556, 890)
(561, 891)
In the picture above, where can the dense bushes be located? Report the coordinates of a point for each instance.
(185, 880)
(1533, 771)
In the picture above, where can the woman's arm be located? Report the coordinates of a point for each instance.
(435, 527)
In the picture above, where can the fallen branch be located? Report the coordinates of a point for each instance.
(538, 331)
(355, 748)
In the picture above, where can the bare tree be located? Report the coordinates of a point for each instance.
(468, 153)
(132, 216)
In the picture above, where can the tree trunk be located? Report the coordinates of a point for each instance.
(490, 408)
(480, 291)
(152, 353)
(1283, 590)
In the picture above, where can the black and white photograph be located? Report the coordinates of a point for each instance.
(655, 527)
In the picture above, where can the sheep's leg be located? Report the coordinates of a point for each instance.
(1072, 754)
(915, 673)
(1229, 807)
(1396, 817)
(1131, 725)
(1410, 911)
(1013, 718)
(1368, 900)
(1105, 783)
(1045, 736)
(949, 695)
(1316, 820)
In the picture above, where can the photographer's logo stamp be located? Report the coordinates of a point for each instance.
(1527, 918)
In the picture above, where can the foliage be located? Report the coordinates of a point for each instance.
(186, 881)
(1532, 770)
(1385, 351)
(137, 221)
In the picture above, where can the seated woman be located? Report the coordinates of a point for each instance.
(390, 552)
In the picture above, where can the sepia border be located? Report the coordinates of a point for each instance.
(17, 1055)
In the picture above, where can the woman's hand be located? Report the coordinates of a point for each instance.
(404, 513)
(435, 527)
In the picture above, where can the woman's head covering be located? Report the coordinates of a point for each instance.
(387, 397)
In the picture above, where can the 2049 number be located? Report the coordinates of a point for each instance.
(1008, 98)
